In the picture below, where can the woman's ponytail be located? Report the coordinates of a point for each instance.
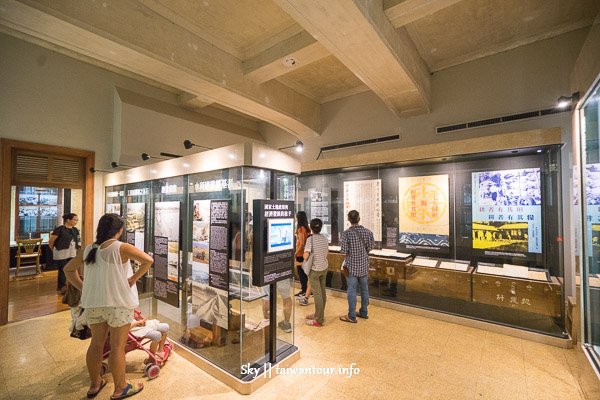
(108, 226)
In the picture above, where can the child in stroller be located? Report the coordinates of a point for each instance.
(142, 332)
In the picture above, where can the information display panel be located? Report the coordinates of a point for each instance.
(273, 244)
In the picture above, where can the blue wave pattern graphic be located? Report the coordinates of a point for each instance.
(424, 239)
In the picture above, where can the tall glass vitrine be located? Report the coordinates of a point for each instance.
(589, 117)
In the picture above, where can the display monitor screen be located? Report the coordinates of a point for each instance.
(280, 235)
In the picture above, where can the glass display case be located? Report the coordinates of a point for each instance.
(198, 226)
(589, 117)
(476, 235)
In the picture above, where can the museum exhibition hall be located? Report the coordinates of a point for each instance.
(465, 133)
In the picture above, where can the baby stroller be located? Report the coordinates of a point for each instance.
(152, 368)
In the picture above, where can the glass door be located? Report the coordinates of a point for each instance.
(589, 115)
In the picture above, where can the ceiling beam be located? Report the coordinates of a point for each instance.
(359, 34)
(403, 12)
(126, 34)
(269, 64)
(249, 131)
(192, 102)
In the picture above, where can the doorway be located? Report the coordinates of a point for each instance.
(40, 184)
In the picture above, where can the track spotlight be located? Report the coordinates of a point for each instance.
(299, 146)
(188, 145)
(564, 101)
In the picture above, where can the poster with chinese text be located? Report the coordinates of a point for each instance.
(424, 211)
(364, 197)
(507, 212)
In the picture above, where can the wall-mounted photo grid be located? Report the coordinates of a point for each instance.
(208, 303)
(364, 197)
(507, 212)
(424, 222)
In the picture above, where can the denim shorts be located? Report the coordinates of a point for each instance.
(115, 317)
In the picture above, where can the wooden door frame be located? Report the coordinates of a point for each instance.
(7, 147)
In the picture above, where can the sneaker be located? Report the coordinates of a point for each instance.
(285, 326)
(303, 301)
(300, 294)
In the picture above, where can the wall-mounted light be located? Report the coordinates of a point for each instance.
(299, 146)
(188, 145)
(94, 170)
(115, 164)
(564, 101)
(146, 156)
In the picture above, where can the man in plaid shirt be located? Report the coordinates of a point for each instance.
(356, 243)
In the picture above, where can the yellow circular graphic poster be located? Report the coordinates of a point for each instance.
(424, 204)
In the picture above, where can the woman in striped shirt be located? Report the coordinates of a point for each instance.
(319, 247)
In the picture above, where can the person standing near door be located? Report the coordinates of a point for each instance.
(64, 242)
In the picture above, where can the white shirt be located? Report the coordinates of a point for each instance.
(105, 281)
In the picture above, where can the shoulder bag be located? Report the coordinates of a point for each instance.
(307, 264)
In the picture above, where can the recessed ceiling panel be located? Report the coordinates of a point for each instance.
(471, 29)
(324, 80)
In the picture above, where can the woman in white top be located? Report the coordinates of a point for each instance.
(318, 247)
(109, 295)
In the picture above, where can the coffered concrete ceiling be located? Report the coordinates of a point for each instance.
(279, 60)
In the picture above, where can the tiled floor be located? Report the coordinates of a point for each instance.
(400, 356)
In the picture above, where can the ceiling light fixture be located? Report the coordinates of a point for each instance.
(188, 145)
(564, 101)
(299, 146)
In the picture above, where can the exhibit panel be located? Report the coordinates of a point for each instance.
(589, 118)
(199, 228)
(477, 235)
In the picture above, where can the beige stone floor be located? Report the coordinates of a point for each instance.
(400, 356)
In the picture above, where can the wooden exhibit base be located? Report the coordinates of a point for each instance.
(473, 323)
(239, 385)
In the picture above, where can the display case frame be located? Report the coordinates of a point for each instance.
(222, 333)
(449, 291)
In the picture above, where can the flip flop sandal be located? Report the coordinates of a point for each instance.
(311, 316)
(102, 384)
(360, 316)
(345, 318)
(312, 322)
(129, 391)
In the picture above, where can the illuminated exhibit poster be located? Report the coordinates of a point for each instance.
(166, 224)
(218, 267)
(319, 208)
(364, 197)
(164, 289)
(113, 209)
(423, 211)
(201, 241)
(592, 197)
(136, 224)
(507, 212)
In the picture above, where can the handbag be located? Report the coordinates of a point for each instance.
(308, 263)
(72, 296)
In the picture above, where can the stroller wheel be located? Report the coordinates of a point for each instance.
(146, 368)
(104, 368)
(153, 371)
